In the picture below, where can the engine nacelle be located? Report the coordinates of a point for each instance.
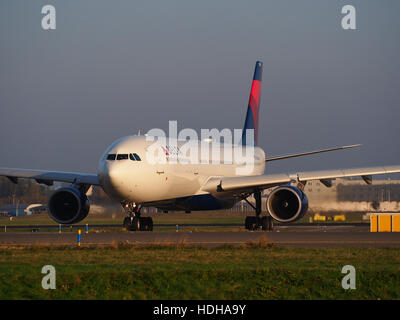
(287, 204)
(68, 205)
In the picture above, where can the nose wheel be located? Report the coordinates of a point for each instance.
(134, 222)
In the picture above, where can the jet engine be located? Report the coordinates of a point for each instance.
(287, 204)
(68, 205)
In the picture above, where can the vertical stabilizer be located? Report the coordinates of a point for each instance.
(253, 109)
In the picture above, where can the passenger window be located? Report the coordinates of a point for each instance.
(132, 157)
(111, 156)
(137, 157)
(122, 157)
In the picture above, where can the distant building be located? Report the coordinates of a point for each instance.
(354, 195)
(15, 210)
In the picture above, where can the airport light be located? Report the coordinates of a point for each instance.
(79, 237)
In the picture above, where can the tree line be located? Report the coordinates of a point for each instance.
(28, 191)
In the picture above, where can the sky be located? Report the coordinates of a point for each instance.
(111, 68)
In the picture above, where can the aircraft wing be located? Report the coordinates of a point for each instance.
(48, 177)
(248, 183)
(310, 153)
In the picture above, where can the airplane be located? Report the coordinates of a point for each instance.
(127, 176)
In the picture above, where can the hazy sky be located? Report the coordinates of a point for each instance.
(113, 67)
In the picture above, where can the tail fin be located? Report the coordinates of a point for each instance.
(253, 108)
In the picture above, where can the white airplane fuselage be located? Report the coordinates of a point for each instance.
(169, 182)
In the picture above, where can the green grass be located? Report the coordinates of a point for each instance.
(179, 272)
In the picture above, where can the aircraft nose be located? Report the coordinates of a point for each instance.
(111, 176)
(114, 176)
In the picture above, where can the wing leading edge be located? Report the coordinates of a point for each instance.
(243, 183)
(48, 177)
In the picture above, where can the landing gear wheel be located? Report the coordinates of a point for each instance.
(247, 223)
(136, 224)
(146, 224)
(270, 223)
(264, 223)
(254, 223)
(267, 223)
(250, 223)
(127, 224)
(150, 224)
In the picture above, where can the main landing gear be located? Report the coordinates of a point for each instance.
(134, 222)
(254, 223)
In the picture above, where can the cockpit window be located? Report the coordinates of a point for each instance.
(111, 156)
(134, 157)
(122, 157)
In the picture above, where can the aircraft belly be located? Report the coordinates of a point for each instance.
(197, 203)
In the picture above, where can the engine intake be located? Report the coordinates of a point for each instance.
(287, 204)
(68, 205)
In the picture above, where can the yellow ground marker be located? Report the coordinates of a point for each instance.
(396, 223)
(374, 223)
(339, 217)
(385, 223)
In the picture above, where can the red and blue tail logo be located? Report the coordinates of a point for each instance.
(253, 109)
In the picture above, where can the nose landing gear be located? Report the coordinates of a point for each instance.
(134, 222)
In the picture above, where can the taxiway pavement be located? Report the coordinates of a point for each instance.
(291, 236)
